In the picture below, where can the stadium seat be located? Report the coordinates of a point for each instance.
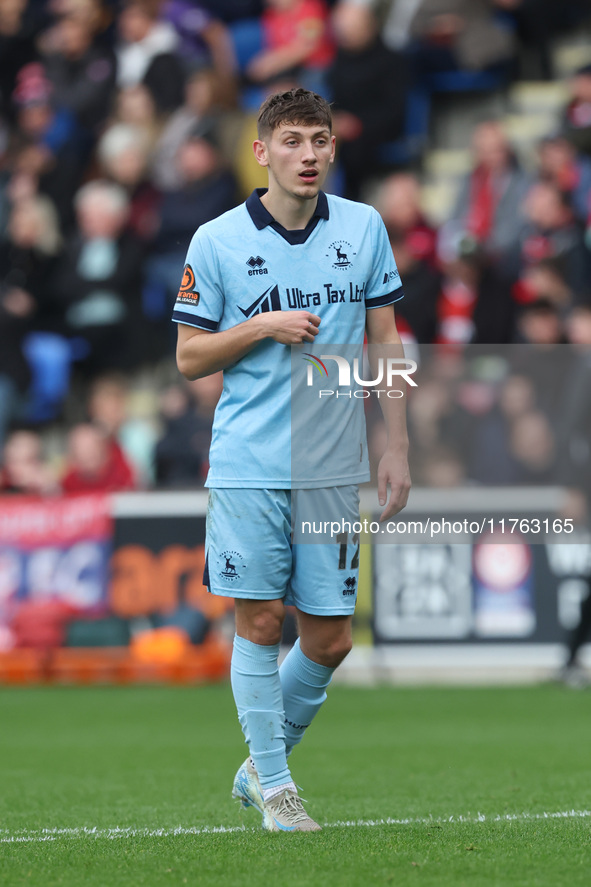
(209, 661)
(247, 40)
(23, 666)
(409, 148)
(469, 81)
(50, 357)
(155, 304)
(69, 665)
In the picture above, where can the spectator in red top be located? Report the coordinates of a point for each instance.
(95, 463)
(543, 280)
(488, 208)
(414, 243)
(297, 42)
(399, 205)
(109, 408)
(554, 233)
(475, 304)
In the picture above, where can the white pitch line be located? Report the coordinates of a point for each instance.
(52, 834)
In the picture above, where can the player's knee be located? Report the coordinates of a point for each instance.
(333, 653)
(265, 627)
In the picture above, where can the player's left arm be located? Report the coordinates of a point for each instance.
(380, 325)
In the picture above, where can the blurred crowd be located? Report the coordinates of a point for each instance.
(126, 125)
(514, 415)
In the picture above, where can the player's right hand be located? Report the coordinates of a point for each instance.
(290, 327)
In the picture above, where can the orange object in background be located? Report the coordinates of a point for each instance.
(206, 662)
(86, 665)
(23, 666)
(165, 645)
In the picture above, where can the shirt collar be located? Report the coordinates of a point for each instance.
(262, 217)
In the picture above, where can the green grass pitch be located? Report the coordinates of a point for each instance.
(151, 760)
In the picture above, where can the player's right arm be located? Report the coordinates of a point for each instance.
(201, 352)
(203, 349)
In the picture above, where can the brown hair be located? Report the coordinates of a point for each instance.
(298, 106)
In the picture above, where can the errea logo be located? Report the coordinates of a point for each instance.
(255, 264)
(350, 585)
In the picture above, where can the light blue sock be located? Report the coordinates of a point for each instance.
(259, 700)
(304, 686)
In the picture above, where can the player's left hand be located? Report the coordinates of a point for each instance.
(393, 472)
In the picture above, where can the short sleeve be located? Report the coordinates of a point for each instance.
(384, 286)
(200, 300)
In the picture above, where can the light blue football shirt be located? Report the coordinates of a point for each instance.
(245, 263)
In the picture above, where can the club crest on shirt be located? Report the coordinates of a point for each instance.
(341, 253)
(231, 565)
(187, 294)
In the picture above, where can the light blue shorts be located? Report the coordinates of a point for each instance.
(250, 552)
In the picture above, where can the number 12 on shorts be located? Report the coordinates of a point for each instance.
(342, 543)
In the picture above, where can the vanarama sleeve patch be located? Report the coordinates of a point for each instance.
(187, 294)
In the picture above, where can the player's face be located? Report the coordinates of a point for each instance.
(297, 158)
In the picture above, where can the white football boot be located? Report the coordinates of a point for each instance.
(247, 788)
(283, 813)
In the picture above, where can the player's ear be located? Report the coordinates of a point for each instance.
(333, 143)
(260, 152)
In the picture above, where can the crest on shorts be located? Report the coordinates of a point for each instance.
(231, 564)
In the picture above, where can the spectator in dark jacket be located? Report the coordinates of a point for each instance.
(182, 453)
(460, 34)
(208, 190)
(570, 171)
(574, 429)
(368, 83)
(124, 155)
(48, 148)
(80, 67)
(98, 281)
(148, 53)
(20, 24)
(422, 285)
(577, 114)
(16, 310)
(30, 253)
